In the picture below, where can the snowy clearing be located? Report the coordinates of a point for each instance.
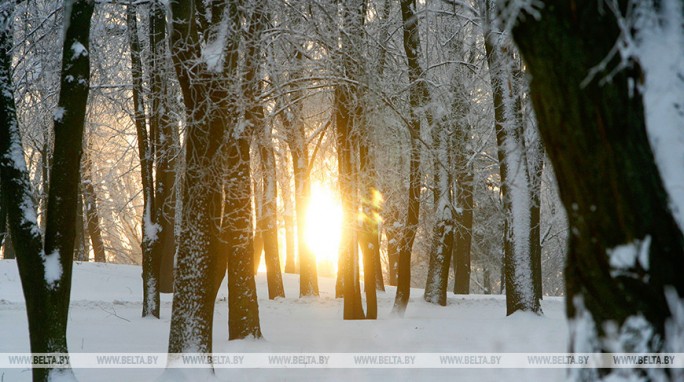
(105, 317)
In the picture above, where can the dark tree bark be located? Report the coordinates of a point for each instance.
(536, 168)
(7, 246)
(216, 222)
(243, 310)
(463, 233)
(418, 98)
(164, 143)
(595, 136)
(92, 215)
(81, 248)
(45, 265)
(151, 260)
(267, 220)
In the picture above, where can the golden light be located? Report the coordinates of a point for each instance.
(323, 228)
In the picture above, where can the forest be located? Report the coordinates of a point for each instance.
(380, 155)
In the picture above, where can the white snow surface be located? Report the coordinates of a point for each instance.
(106, 304)
(53, 268)
(626, 256)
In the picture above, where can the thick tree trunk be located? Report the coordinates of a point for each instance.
(210, 142)
(164, 145)
(45, 266)
(626, 250)
(243, 310)
(443, 232)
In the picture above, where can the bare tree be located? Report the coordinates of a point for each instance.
(45, 262)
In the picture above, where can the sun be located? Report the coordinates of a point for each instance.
(324, 228)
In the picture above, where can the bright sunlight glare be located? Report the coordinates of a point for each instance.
(323, 228)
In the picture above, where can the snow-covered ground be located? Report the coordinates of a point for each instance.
(105, 317)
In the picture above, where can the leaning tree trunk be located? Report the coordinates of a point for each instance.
(45, 265)
(625, 251)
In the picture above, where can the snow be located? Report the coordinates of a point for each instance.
(628, 256)
(78, 50)
(53, 268)
(658, 46)
(106, 305)
(212, 52)
(58, 115)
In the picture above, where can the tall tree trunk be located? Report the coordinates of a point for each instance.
(216, 223)
(164, 145)
(626, 251)
(81, 237)
(243, 310)
(418, 98)
(288, 216)
(536, 169)
(45, 266)
(443, 232)
(150, 239)
(308, 275)
(267, 223)
(513, 170)
(463, 227)
(92, 215)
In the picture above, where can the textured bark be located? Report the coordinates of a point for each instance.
(46, 293)
(164, 145)
(150, 258)
(267, 220)
(418, 98)
(517, 267)
(243, 310)
(595, 137)
(437, 280)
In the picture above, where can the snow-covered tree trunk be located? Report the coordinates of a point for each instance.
(267, 220)
(443, 231)
(418, 100)
(626, 251)
(164, 144)
(150, 239)
(45, 262)
(513, 169)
